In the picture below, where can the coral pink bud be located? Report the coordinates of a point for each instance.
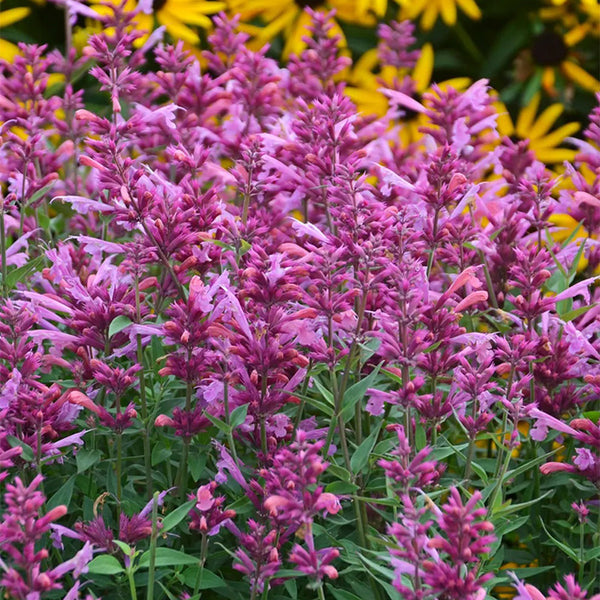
(534, 592)
(53, 515)
(473, 298)
(163, 421)
(76, 397)
(85, 115)
(554, 467)
(148, 283)
(86, 161)
(293, 250)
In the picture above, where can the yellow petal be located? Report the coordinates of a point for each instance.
(553, 156)
(470, 8)
(368, 61)
(526, 117)
(557, 136)
(190, 18)
(8, 51)
(576, 74)
(548, 80)
(430, 15)
(573, 37)
(545, 121)
(448, 10)
(563, 220)
(460, 84)
(423, 69)
(12, 15)
(177, 29)
(504, 122)
(276, 26)
(294, 43)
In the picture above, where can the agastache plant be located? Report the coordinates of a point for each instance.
(343, 350)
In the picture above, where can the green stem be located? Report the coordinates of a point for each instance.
(153, 547)
(581, 562)
(228, 421)
(203, 550)
(3, 249)
(118, 468)
(470, 453)
(183, 466)
(142, 381)
(132, 590)
(503, 470)
(320, 592)
(597, 543)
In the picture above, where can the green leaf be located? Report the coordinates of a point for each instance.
(357, 392)
(573, 314)
(86, 458)
(125, 548)
(360, 458)
(513, 508)
(105, 564)
(118, 324)
(209, 579)
(35, 197)
(420, 436)
(341, 487)
(341, 594)
(26, 450)
(238, 415)
(291, 588)
(221, 425)
(174, 518)
(570, 552)
(592, 415)
(167, 592)
(21, 273)
(591, 554)
(159, 455)
(339, 472)
(533, 86)
(167, 557)
(509, 41)
(327, 395)
(63, 494)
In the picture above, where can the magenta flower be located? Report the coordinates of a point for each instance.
(207, 515)
(292, 496)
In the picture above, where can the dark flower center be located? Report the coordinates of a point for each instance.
(549, 49)
(157, 5)
(309, 3)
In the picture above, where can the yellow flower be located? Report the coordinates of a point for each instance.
(430, 10)
(552, 53)
(177, 16)
(367, 78)
(573, 12)
(288, 18)
(9, 50)
(537, 129)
